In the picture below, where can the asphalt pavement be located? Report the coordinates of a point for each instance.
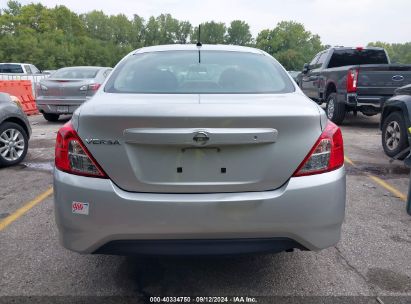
(372, 259)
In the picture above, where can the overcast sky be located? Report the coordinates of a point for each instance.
(338, 22)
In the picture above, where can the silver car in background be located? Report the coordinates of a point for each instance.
(67, 88)
(199, 150)
(15, 131)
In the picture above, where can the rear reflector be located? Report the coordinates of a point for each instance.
(73, 157)
(326, 155)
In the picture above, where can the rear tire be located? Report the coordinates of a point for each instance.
(335, 110)
(394, 135)
(51, 117)
(14, 144)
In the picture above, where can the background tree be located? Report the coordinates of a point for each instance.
(137, 32)
(56, 37)
(183, 32)
(239, 33)
(152, 32)
(121, 30)
(290, 43)
(211, 33)
(398, 52)
(97, 25)
(13, 8)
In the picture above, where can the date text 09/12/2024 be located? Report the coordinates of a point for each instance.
(199, 299)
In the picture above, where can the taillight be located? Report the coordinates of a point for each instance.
(326, 155)
(352, 80)
(91, 87)
(94, 86)
(73, 157)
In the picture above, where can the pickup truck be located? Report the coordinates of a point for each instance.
(21, 71)
(18, 68)
(352, 79)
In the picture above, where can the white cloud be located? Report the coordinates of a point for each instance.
(348, 22)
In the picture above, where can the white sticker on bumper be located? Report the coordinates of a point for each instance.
(80, 208)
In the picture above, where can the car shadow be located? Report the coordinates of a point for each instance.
(206, 276)
(360, 120)
(62, 119)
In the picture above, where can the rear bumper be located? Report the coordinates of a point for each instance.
(355, 100)
(49, 105)
(198, 247)
(307, 212)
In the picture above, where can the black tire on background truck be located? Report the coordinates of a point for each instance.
(51, 117)
(394, 134)
(335, 110)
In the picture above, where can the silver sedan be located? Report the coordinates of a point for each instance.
(199, 150)
(67, 88)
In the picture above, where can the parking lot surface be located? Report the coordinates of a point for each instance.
(373, 257)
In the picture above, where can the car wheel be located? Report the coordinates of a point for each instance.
(394, 134)
(335, 110)
(13, 144)
(51, 117)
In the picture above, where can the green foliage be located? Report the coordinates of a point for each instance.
(52, 38)
(13, 8)
(398, 52)
(239, 33)
(290, 44)
(56, 37)
(211, 33)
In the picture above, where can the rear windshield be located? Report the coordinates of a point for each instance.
(193, 72)
(356, 57)
(75, 73)
(11, 68)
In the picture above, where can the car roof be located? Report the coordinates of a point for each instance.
(353, 48)
(85, 67)
(14, 63)
(193, 47)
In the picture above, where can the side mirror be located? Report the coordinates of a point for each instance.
(306, 68)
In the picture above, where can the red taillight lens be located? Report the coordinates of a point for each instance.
(352, 79)
(91, 87)
(94, 86)
(73, 157)
(326, 155)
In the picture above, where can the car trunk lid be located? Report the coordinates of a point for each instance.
(199, 143)
(65, 88)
